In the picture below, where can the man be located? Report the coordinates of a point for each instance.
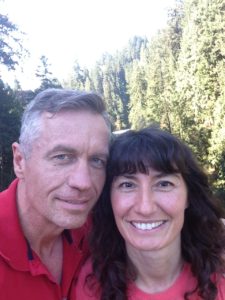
(60, 167)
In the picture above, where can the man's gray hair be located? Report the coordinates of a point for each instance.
(53, 101)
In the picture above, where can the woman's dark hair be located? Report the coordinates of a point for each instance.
(203, 233)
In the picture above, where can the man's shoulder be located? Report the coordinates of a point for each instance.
(8, 209)
(10, 192)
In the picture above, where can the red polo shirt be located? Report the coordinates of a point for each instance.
(22, 274)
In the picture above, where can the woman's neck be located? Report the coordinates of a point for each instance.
(156, 270)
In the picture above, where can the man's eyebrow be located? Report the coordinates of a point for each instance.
(60, 148)
(101, 154)
(68, 149)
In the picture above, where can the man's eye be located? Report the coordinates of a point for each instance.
(62, 158)
(98, 162)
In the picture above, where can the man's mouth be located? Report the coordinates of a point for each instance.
(76, 203)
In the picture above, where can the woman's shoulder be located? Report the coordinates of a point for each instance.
(85, 271)
(221, 287)
(86, 268)
(86, 287)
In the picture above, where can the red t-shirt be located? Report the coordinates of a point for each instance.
(22, 274)
(185, 282)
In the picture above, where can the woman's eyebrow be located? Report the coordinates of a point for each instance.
(163, 174)
(128, 176)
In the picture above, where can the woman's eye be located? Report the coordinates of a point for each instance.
(126, 184)
(165, 185)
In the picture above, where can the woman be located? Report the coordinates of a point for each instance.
(157, 231)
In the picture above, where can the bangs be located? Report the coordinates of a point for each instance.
(139, 152)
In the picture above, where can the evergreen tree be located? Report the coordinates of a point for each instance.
(11, 48)
(80, 78)
(198, 80)
(10, 113)
(137, 91)
(45, 75)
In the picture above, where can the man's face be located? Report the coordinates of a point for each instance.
(65, 173)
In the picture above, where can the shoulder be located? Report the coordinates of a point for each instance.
(10, 192)
(86, 269)
(84, 288)
(221, 288)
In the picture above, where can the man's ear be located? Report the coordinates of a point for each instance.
(18, 160)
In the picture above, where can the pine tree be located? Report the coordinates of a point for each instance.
(45, 75)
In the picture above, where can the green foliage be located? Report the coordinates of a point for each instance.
(137, 91)
(11, 48)
(176, 79)
(10, 113)
(44, 73)
(110, 77)
(80, 80)
(114, 90)
(199, 81)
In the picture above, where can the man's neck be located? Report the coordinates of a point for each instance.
(44, 238)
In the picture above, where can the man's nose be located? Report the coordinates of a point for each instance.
(80, 176)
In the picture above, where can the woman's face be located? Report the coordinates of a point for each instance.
(149, 209)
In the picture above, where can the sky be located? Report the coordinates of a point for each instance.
(82, 30)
